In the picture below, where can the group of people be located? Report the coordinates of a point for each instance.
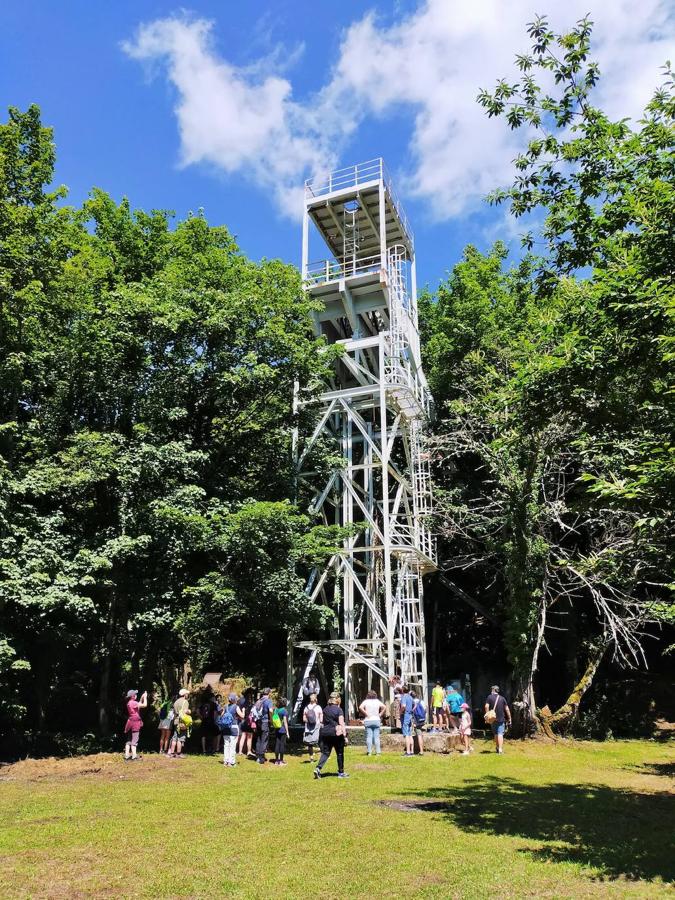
(245, 727)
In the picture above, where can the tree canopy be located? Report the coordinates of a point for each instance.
(555, 376)
(145, 448)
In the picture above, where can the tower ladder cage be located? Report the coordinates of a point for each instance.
(371, 419)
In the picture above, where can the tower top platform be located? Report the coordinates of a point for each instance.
(328, 195)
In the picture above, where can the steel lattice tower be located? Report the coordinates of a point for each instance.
(371, 418)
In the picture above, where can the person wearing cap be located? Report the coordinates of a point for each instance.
(332, 735)
(180, 732)
(502, 716)
(465, 728)
(134, 723)
(231, 732)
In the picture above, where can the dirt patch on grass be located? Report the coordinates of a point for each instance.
(375, 767)
(105, 766)
(415, 805)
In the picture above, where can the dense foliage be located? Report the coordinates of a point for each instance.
(555, 381)
(147, 522)
(145, 461)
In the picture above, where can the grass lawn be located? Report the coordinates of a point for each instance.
(570, 820)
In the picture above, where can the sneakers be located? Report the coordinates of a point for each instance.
(343, 775)
(317, 773)
(465, 752)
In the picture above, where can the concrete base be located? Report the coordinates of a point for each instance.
(433, 743)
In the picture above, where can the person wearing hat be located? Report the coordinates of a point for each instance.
(181, 710)
(465, 728)
(498, 716)
(134, 723)
(332, 736)
(230, 730)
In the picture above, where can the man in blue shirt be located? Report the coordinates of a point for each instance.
(406, 720)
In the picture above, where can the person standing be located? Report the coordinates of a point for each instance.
(310, 686)
(209, 730)
(406, 720)
(262, 712)
(465, 729)
(182, 722)
(437, 717)
(134, 723)
(245, 741)
(395, 710)
(228, 722)
(498, 716)
(372, 709)
(332, 735)
(419, 718)
(165, 723)
(281, 731)
(454, 702)
(312, 716)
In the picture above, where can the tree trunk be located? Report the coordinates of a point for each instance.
(563, 718)
(104, 702)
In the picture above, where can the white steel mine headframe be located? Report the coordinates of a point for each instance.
(371, 419)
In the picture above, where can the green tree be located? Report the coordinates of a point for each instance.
(557, 442)
(146, 431)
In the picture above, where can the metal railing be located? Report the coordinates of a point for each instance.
(325, 270)
(352, 177)
(341, 179)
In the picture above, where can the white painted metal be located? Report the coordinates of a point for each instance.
(372, 417)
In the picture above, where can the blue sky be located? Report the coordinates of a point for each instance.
(227, 106)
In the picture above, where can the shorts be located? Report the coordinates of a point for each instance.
(406, 728)
(180, 738)
(438, 710)
(165, 724)
(498, 727)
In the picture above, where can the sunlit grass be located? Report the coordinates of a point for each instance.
(543, 821)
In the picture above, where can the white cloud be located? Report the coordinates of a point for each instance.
(431, 62)
(239, 120)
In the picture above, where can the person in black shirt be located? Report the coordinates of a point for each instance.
(332, 736)
(496, 702)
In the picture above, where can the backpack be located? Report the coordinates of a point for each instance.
(185, 723)
(491, 715)
(257, 712)
(419, 713)
(276, 719)
(310, 719)
(225, 720)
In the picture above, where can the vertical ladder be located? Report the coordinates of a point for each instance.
(351, 237)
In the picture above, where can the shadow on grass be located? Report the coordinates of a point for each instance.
(622, 833)
(666, 769)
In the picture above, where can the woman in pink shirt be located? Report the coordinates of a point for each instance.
(134, 723)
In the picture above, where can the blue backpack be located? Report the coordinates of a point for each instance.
(225, 720)
(419, 713)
